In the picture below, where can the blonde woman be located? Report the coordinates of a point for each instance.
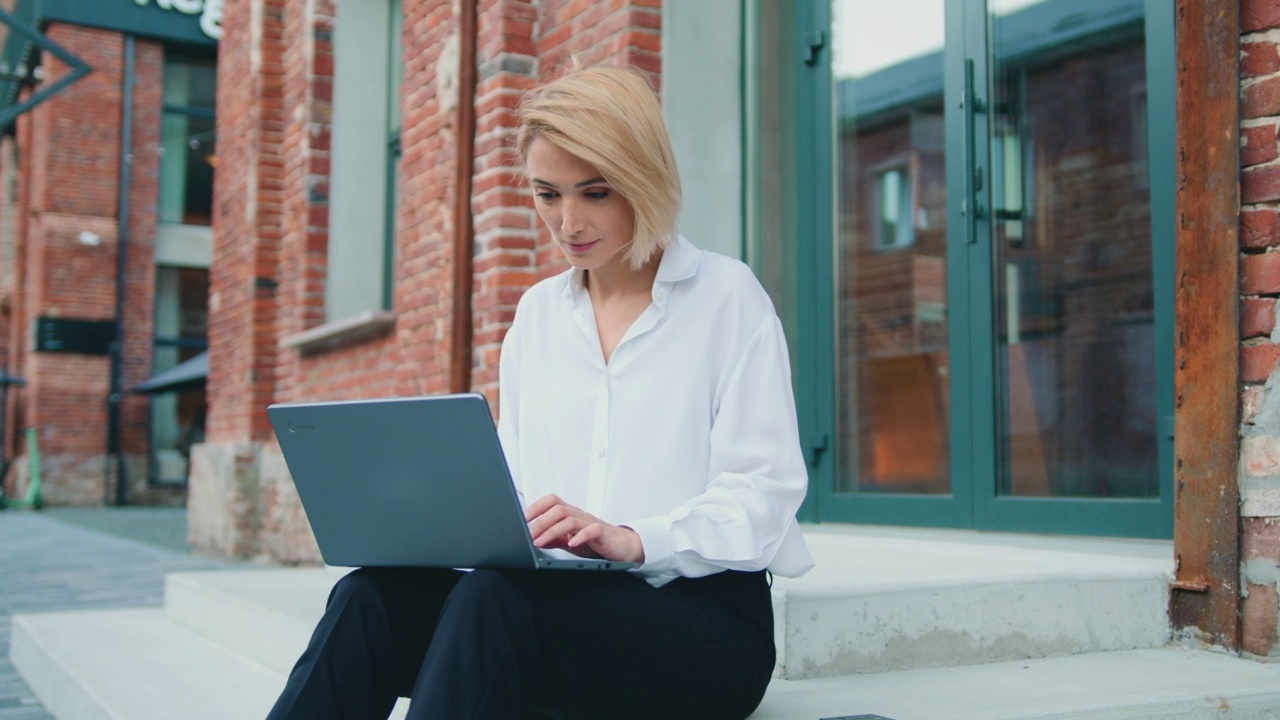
(647, 415)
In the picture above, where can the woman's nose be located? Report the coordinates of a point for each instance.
(571, 221)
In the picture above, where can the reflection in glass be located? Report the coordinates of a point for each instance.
(181, 329)
(188, 140)
(1072, 233)
(891, 238)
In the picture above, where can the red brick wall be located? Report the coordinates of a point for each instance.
(248, 220)
(308, 85)
(518, 40)
(68, 167)
(1259, 351)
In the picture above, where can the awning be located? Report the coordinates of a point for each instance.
(189, 375)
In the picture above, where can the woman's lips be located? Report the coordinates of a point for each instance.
(580, 248)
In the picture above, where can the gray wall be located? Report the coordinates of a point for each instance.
(702, 98)
(357, 211)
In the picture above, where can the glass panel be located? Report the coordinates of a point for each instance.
(190, 82)
(1072, 236)
(181, 325)
(395, 78)
(891, 245)
(395, 66)
(186, 169)
(188, 141)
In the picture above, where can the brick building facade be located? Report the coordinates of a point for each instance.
(86, 232)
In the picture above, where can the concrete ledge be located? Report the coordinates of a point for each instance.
(877, 600)
(893, 599)
(136, 665)
(1169, 684)
(342, 332)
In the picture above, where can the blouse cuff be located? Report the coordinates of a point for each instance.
(655, 536)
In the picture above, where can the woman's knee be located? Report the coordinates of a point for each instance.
(358, 586)
(394, 591)
(486, 588)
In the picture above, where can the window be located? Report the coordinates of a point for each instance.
(366, 152)
(395, 76)
(187, 140)
(181, 331)
(183, 250)
(896, 212)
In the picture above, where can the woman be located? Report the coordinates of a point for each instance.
(647, 416)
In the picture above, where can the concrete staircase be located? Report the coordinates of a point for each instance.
(905, 624)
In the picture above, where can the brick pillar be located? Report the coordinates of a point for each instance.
(519, 42)
(223, 500)
(506, 227)
(1260, 337)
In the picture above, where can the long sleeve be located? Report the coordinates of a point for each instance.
(509, 404)
(757, 475)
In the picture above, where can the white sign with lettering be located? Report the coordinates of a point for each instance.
(210, 12)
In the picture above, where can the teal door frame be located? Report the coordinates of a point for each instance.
(974, 500)
(815, 324)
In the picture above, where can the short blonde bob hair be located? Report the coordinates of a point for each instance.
(609, 118)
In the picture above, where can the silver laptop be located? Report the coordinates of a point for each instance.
(418, 481)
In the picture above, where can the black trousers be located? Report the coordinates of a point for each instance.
(522, 644)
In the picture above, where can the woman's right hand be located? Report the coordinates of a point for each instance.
(554, 523)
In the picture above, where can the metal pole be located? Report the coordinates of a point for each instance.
(114, 446)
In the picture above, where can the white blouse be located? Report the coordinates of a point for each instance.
(687, 435)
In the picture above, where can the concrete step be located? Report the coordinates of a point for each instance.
(267, 615)
(877, 600)
(897, 599)
(135, 665)
(1165, 684)
(138, 665)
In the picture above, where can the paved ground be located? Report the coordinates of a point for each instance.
(67, 559)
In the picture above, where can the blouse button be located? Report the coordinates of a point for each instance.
(600, 451)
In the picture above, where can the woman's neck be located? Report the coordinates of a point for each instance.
(620, 281)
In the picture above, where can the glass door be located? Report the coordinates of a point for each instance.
(1078, 231)
(892, 359)
(998, 285)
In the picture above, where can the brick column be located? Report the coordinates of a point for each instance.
(1260, 336)
(223, 499)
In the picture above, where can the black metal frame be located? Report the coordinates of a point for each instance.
(79, 68)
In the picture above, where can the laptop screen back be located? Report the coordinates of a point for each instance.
(404, 482)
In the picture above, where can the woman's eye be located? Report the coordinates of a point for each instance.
(545, 196)
(598, 194)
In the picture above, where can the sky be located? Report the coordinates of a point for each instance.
(874, 34)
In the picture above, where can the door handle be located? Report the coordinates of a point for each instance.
(814, 445)
(813, 42)
(971, 205)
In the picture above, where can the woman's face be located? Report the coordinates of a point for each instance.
(591, 222)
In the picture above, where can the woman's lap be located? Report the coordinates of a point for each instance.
(595, 644)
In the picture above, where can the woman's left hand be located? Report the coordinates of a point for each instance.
(554, 523)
